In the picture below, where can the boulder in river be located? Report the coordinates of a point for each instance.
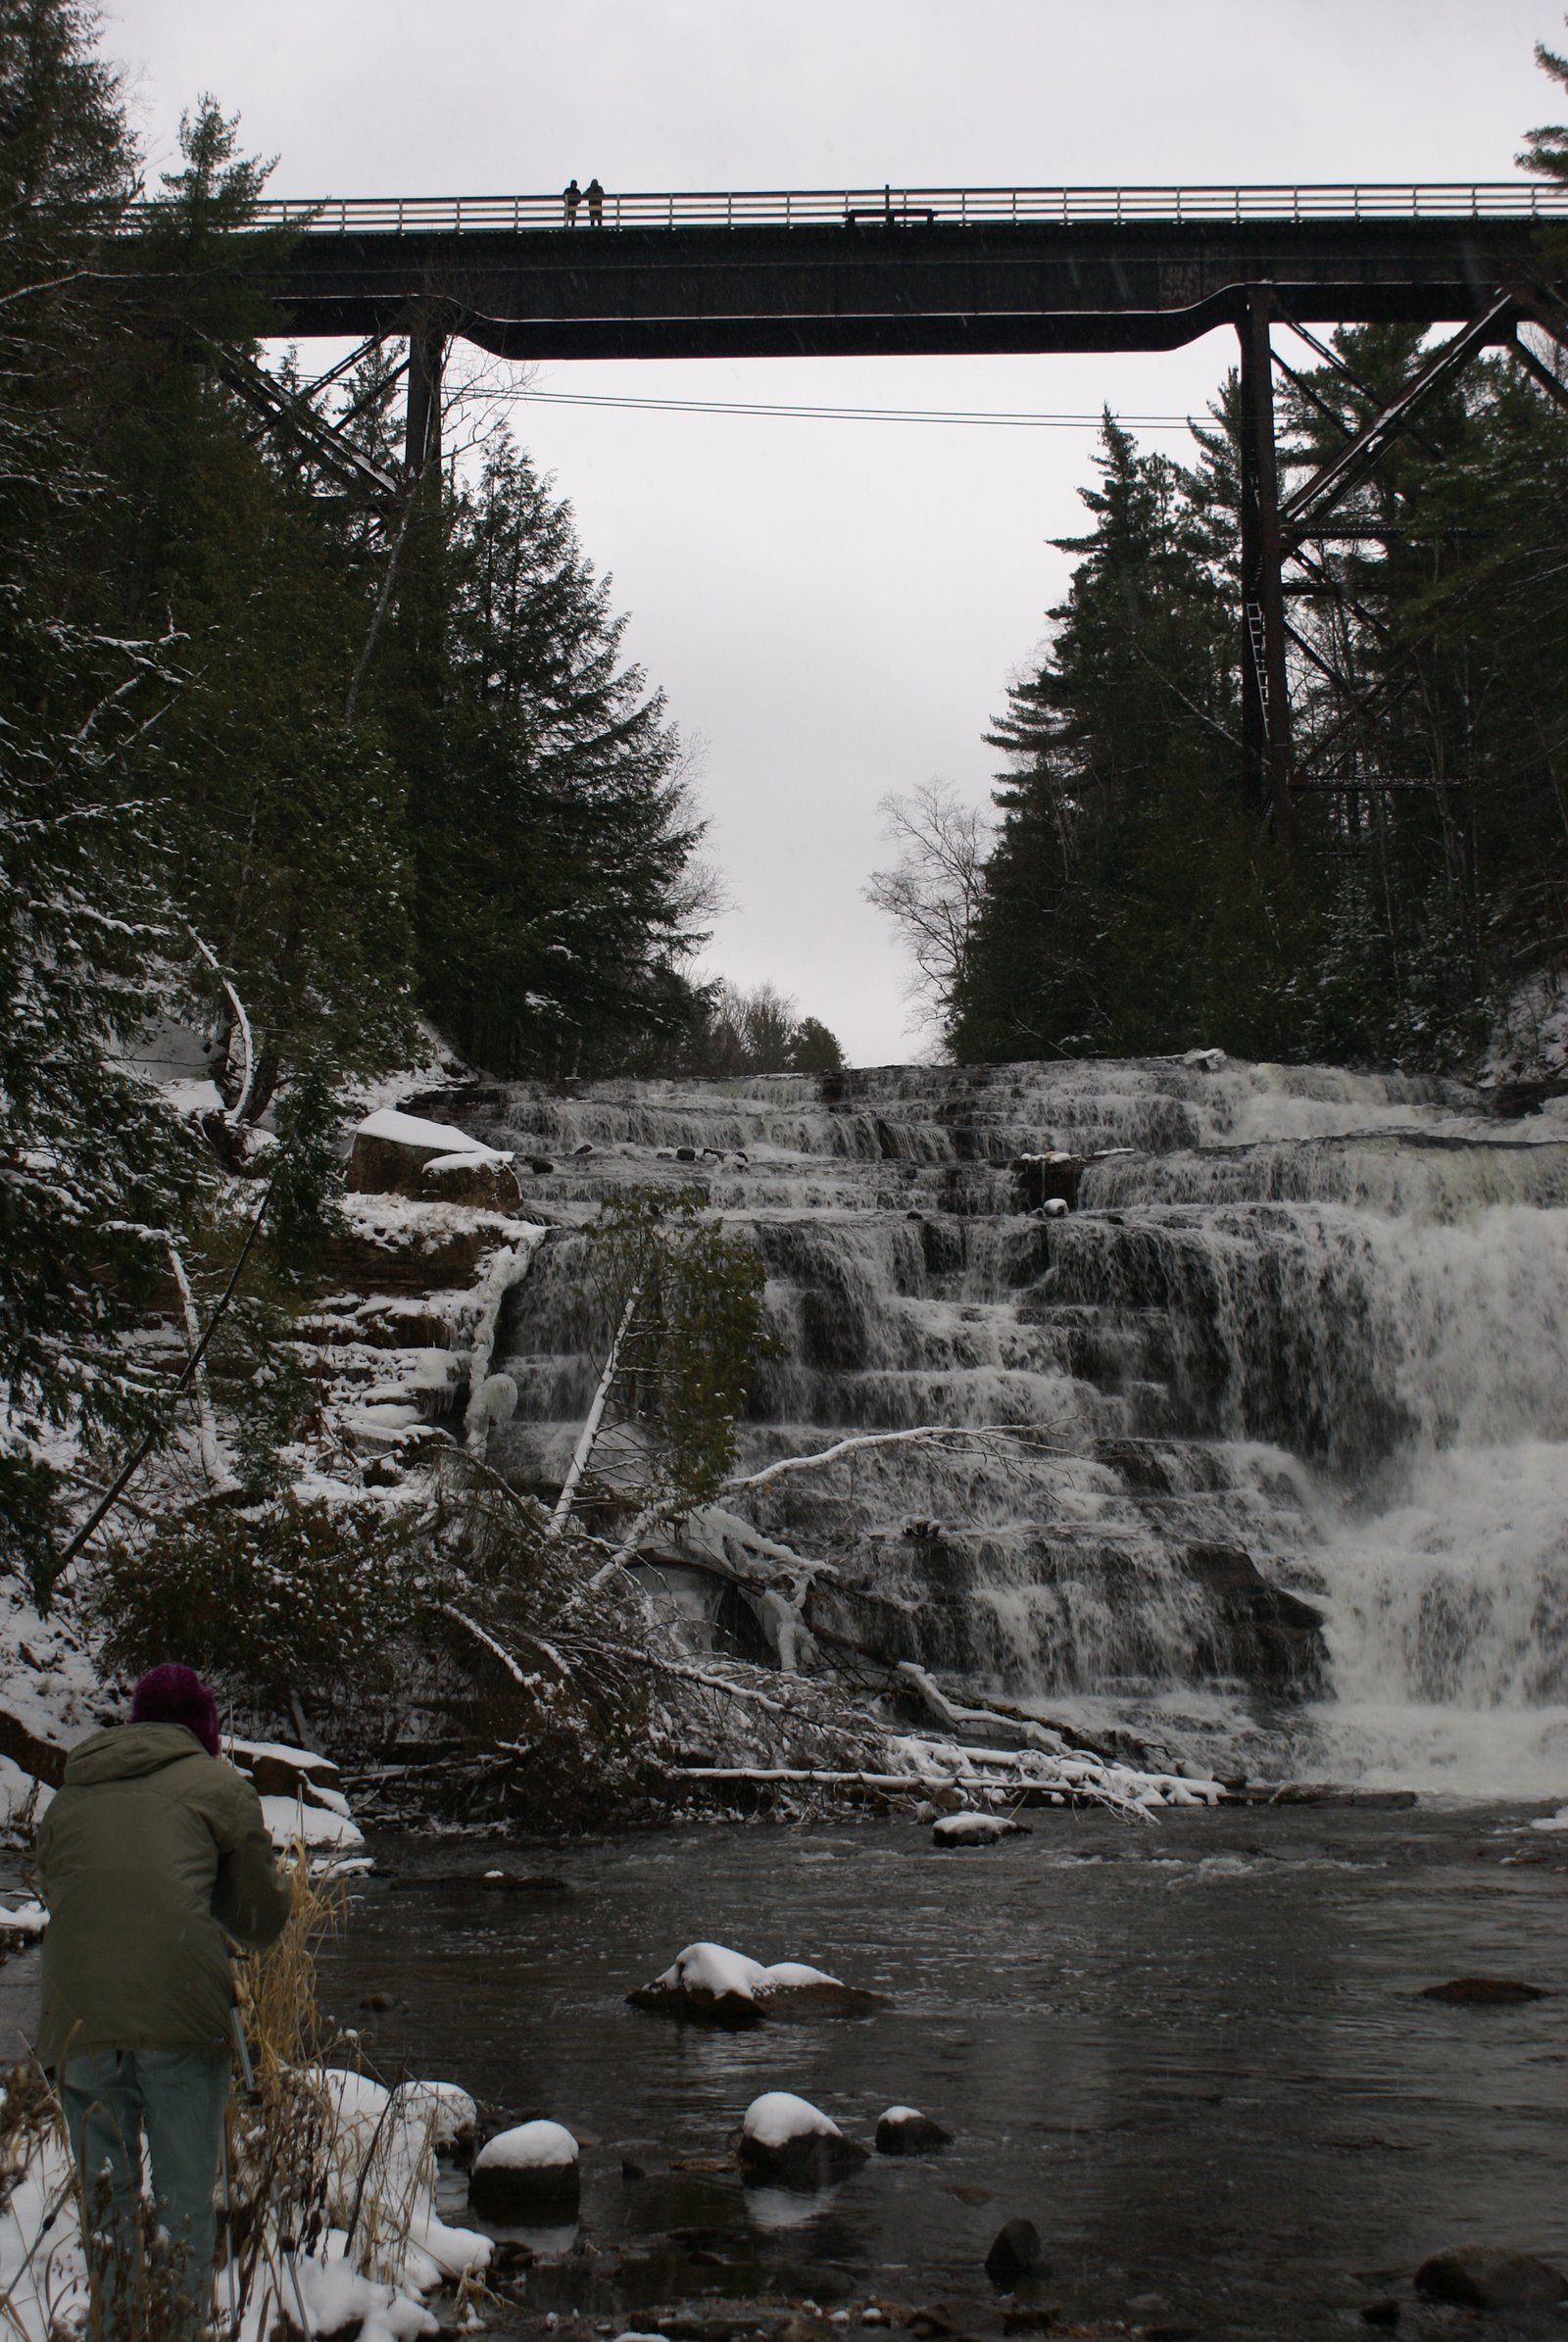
(1484, 1992)
(788, 2142)
(1486, 2276)
(975, 1829)
(526, 2175)
(905, 2130)
(1015, 2253)
(710, 1984)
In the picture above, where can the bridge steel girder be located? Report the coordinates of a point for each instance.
(823, 291)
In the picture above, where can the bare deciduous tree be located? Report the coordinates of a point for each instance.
(933, 892)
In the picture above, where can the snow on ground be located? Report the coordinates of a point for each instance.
(444, 2107)
(290, 1819)
(778, 2117)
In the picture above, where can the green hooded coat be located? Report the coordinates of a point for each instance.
(150, 1855)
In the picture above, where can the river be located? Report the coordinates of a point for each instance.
(1194, 2052)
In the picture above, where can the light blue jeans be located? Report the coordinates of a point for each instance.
(175, 2098)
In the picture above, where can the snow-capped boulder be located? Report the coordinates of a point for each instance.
(402, 1154)
(526, 2175)
(975, 1829)
(905, 2130)
(485, 1180)
(710, 1984)
(276, 1769)
(788, 2142)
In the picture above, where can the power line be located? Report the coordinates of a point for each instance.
(870, 415)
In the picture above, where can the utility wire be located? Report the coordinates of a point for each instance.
(869, 414)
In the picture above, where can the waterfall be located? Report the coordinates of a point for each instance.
(1262, 1372)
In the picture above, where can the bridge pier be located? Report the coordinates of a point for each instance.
(1265, 689)
(428, 354)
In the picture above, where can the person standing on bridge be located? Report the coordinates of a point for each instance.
(571, 197)
(596, 204)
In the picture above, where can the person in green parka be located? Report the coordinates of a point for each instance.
(153, 1857)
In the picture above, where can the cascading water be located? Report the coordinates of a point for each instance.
(1264, 1373)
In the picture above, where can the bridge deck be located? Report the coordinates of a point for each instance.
(900, 270)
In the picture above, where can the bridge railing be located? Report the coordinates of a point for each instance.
(914, 207)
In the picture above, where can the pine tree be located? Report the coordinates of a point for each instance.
(1118, 804)
(93, 1171)
(551, 823)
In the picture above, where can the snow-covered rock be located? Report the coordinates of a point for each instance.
(525, 2175)
(1556, 1820)
(708, 1983)
(276, 1769)
(22, 1925)
(788, 2142)
(402, 1154)
(905, 2130)
(975, 1829)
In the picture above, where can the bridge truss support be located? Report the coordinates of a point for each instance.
(1280, 532)
(1265, 689)
(428, 340)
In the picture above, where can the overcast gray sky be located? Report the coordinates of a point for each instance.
(834, 608)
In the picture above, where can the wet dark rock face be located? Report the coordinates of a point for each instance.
(1157, 1298)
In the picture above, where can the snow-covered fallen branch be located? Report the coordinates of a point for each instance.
(926, 1432)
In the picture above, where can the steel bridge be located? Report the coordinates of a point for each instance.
(935, 270)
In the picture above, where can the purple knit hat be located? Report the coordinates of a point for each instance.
(174, 1695)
